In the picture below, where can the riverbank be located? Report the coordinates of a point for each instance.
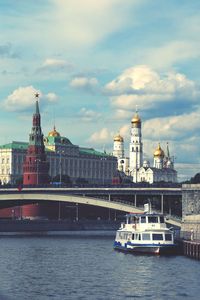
(55, 226)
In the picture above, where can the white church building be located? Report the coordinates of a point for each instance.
(138, 168)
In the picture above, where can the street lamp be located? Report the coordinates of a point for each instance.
(60, 152)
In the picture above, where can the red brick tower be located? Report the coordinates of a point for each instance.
(36, 167)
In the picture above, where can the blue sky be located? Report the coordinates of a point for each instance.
(93, 62)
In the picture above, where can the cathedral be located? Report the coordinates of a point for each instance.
(137, 168)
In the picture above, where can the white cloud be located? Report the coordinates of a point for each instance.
(85, 83)
(52, 64)
(122, 114)
(23, 98)
(87, 22)
(51, 97)
(101, 137)
(172, 53)
(173, 127)
(141, 85)
(88, 115)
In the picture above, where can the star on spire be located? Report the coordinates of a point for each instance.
(37, 95)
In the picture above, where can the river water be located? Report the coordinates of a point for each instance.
(85, 266)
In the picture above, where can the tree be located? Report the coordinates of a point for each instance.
(64, 178)
(195, 179)
(81, 180)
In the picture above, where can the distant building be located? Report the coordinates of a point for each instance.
(134, 165)
(64, 158)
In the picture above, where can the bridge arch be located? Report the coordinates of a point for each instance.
(130, 208)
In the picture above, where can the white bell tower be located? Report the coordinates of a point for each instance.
(136, 149)
(118, 146)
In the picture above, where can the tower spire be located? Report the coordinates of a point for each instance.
(168, 154)
(37, 95)
(35, 168)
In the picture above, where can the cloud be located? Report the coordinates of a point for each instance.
(144, 86)
(23, 99)
(88, 115)
(51, 97)
(171, 53)
(6, 51)
(101, 137)
(51, 64)
(122, 114)
(88, 22)
(84, 83)
(173, 127)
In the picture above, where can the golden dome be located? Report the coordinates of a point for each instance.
(159, 151)
(54, 133)
(118, 138)
(136, 119)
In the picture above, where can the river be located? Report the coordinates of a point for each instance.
(85, 266)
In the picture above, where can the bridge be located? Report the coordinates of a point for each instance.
(78, 196)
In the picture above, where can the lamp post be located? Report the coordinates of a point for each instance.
(60, 152)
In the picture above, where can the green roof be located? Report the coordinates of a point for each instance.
(52, 140)
(91, 151)
(15, 145)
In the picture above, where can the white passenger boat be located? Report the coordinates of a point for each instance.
(145, 233)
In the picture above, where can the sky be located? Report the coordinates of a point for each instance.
(94, 63)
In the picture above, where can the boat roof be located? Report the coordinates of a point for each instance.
(144, 214)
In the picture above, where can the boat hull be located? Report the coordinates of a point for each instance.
(147, 249)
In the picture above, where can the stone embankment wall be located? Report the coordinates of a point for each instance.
(56, 225)
(190, 199)
(190, 229)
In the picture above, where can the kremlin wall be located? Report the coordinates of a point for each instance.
(44, 158)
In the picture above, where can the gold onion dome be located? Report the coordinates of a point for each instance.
(118, 138)
(54, 132)
(136, 119)
(159, 151)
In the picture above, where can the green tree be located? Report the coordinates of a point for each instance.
(195, 179)
(64, 178)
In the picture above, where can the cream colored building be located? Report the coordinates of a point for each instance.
(64, 158)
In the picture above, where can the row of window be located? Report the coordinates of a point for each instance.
(144, 236)
(5, 160)
(146, 219)
(5, 171)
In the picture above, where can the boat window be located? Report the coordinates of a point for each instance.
(134, 220)
(138, 237)
(168, 237)
(133, 236)
(143, 219)
(153, 219)
(129, 236)
(146, 236)
(157, 237)
(162, 219)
